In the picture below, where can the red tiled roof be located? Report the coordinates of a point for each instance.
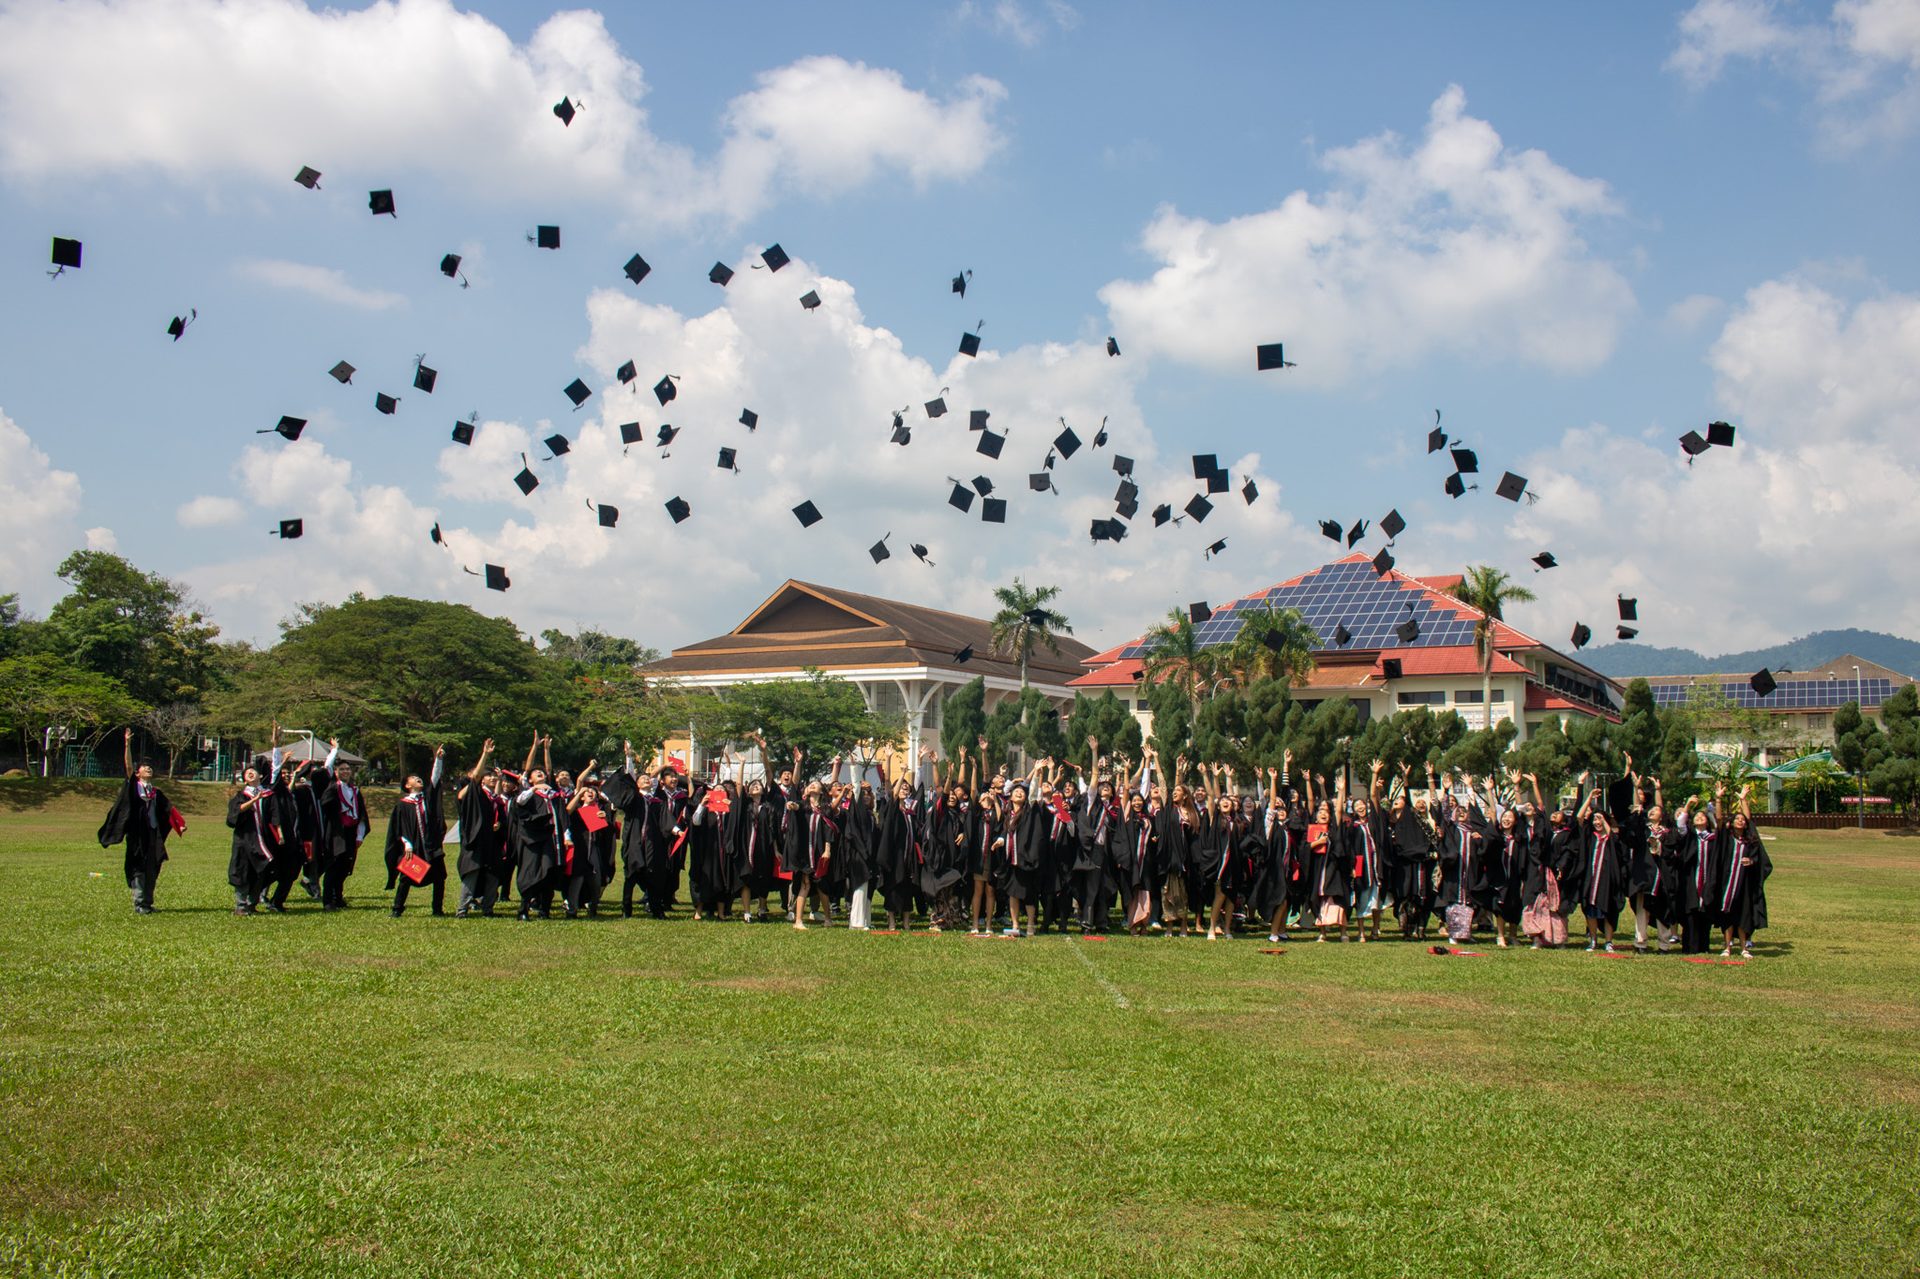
(1120, 673)
(1457, 659)
(1541, 698)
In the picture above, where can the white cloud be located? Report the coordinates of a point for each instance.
(38, 505)
(1691, 312)
(92, 87)
(1025, 26)
(1862, 63)
(1458, 245)
(207, 511)
(323, 282)
(102, 539)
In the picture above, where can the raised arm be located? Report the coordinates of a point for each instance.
(126, 751)
(1373, 785)
(532, 750)
(546, 754)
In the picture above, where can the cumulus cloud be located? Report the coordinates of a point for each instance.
(1457, 245)
(38, 506)
(1025, 25)
(323, 282)
(91, 87)
(1690, 313)
(207, 511)
(1862, 63)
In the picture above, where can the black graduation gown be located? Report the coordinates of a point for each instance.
(1697, 856)
(1136, 855)
(1464, 857)
(948, 846)
(1740, 890)
(889, 848)
(1025, 853)
(1412, 858)
(816, 840)
(1062, 846)
(1279, 864)
(482, 829)
(143, 824)
(1368, 853)
(593, 850)
(1331, 866)
(1224, 856)
(538, 822)
(758, 839)
(343, 809)
(1603, 874)
(1511, 852)
(418, 822)
(255, 842)
(1550, 849)
(1175, 839)
(984, 861)
(639, 834)
(710, 867)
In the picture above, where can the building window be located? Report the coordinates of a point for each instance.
(1471, 696)
(1425, 699)
(1817, 722)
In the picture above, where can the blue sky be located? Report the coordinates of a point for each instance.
(1577, 231)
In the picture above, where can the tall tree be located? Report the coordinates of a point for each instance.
(136, 627)
(1273, 643)
(595, 651)
(1026, 620)
(1104, 719)
(963, 718)
(40, 692)
(1172, 727)
(1489, 590)
(1896, 772)
(1176, 658)
(1323, 738)
(1270, 715)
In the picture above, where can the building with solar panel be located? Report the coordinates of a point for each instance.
(1367, 657)
(1803, 702)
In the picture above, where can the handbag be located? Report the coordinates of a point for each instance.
(414, 867)
(1555, 932)
(1332, 915)
(1459, 923)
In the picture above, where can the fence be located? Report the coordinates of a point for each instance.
(1831, 821)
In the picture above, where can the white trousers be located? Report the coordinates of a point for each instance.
(861, 914)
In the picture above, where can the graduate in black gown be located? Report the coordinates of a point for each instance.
(482, 814)
(1603, 872)
(1179, 822)
(809, 857)
(1136, 863)
(1224, 851)
(1368, 848)
(949, 828)
(1021, 845)
(1651, 842)
(1280, 866)
(1510, 849)
(1552, 871)
(635, 796)
(415, 827)
(1466, 886)
(894, 832)
(256, 843)
(1097, 831)
(1697, 863)
(539, 825)
(343, 811)
(141, 818)
(592, 829)
(1740, 879)
(1414, 856)
(983, 854)
(757, 837)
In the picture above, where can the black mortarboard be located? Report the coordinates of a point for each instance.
(1407, 632)
(308, 177)
(1354, 534)
(728, 459)
(292, 528)
(1629, 609)
(527, 480)
(424, 378)
(450, 265)
(1720, 433)
(1392, 525)
(178, 325)
(1693, 444)
(749, 419)
(66, 253)
(969, 344)
(807, 513)
(878, 551)
(991, 442)
(1762, 682)
(1162, 513)
(936, 407)
(1250, 491)
(963, 655)
(630, 433)
(636, 268)
(1383, 562)
(1544, 560)
(436, 536)
(1455, 486)
(1624, 632)
(664, 390)
(1127, 507)
(993, 510)
(960, 282)
(463, 433)
(1100, 436)
(1122, 464)
(577, 391)
(1330, 529)
(1391, 668)
(385, 403)
(1219, 482)
(626, 373)
(1067, 442)
(547, 237)
(1465, 461)
(775, 257)
(557, 445)
(961, 498)
(1199, 508)
(678, 508)
(1198, 613)
(1126, 490)
(920, 552)
(810, 301)
(1581, 634)
(1272, 355)
(902, 435)
(720, 274)
(1511, 486)
(1341, 635)
(1113, 347)
(1215, 549)
(1041, 481)
(664, 436)
(1204, 464)
(983, 485)
(1099, 530)
(1038, 616)
(1436, 440)
(565, 110)
(381, 202)
(497, 579)
(287, 426)
(609, 515)
(977, 419)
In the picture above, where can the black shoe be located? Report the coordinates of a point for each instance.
(243, 910)
(143, 910)
(395, 912)
(438, 913)
(626, 912)
(545, 914)
(523, 914)
(313, 890)
(275, 907)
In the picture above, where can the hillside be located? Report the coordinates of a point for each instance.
(1624, 661)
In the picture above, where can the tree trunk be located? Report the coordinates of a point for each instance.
(1486, 687)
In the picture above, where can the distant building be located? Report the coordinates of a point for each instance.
(1803, 703)
(1380, 672)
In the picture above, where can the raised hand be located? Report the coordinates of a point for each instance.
(439, 752)
(128, 738)
(486, 748)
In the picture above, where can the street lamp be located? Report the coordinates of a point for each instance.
(1863, 761)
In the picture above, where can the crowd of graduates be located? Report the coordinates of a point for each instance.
(1064, 845)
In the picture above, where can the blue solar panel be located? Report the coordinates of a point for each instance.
(1798, 694)
(1346, 594)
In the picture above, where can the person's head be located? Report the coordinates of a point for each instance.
(413, 785)
(1180, 794)
(1656, 816)
(956, 794)
(1602, 824)
(1361, 808)
(866, 793)
(1739, 823)
(1702, 820)
(1157, 793)
(1420, 805)
(537, 777)
(1323, 812)
(786, 777)
(563, 779)
(902, 788)
(1136, 805)
(250, 776)
(1249, 805)
(1105, 791)
(1228, 805)
(990, 803)
(813, 798)
(810, 791)
(588, 792)
(756, 788)
(143, 771)
(1508, 820)
(344, 772)
(1019, 796)
(1277, 806)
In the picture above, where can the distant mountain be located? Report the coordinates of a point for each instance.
(1624, 661)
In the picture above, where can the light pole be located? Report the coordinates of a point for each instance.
(1863, 762)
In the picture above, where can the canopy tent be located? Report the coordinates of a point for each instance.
(1792, 767)
(312, 749)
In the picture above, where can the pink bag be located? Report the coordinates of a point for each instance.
(1542, 919)
(1459, 923)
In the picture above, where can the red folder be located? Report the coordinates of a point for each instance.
(592, 818)
(414, 867)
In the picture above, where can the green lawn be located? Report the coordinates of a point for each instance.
(193, 1093)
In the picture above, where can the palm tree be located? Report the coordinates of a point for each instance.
(1275, 643)
(1024, 622)
(1175, 656)
(1488, 589)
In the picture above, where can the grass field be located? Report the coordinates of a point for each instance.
(193, 1093)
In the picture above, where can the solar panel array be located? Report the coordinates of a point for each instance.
(1349, 594)
(1796, 694)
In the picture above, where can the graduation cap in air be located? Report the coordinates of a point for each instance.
(878, 551)
(1199, 508)
(1624, 632)
(749, 419)
(424, 377)
(290, 529)
(1126, 490)
(626, 373)
(1354, 534)
(1390, 667)
(1330, 529)
(810, 301)
(1102, 530)
(902, 434)
(1127, 507)
(977, 419)
(728, 460)
(1544, 560)
(1392, 525)
(577, 391)
(961, 499)
(993, 510)
(1511, 486)
(1436, 440)
(609, 515)
(381, 202)
(341, 372)
(385, 403)
(66, 253)
(546, 237)
(1215, 549)
(527, 480)
(565, 110)
(1041, 482)
(1465, 461)
(970, 344)
(1581, 634)
(1113, 347)
(920, 553)
(720, 274)
(963, 655)
(1249, 491)
(1204, 464)
(450, 265)
(1341, 635)
(308, 177)
(1762, 682)
(463, 433)
(936, 407)
(775, 257)
(636, 268)
(1408, 631)
(287, 426)
(497, 579)
(1162, 513)
(664, 436)
(1693, 444)
(1067, 442)
(960, 282)
(178, 324)
(1455, 486)
(678, 508)
(1383, 562)
(557, 445)
(983, 485)
(664, 390)
(630, 433)
(1720, 433)
(435, 536)
(991, 442)
(1122, 464)
(1199, 612)
(1272, 355)
(1100, 436)
(1629, 609)
(807, 513)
